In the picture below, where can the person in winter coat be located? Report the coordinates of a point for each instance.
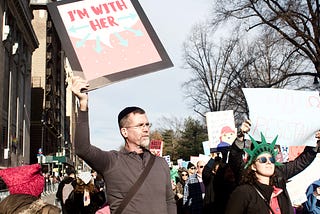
(65, 187)
(208, 176)
(85, 198)
(312, 205)
(263, 184)
(224, 184)
(25, 184)
(184, 175)
(26, 204)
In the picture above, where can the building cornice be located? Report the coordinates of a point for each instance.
(22, 13)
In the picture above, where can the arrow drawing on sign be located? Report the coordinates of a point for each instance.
(98, 48)
(130, 16)
(74, 29)
(81, 42)
(122, 41)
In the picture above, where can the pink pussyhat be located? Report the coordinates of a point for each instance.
(26, 179)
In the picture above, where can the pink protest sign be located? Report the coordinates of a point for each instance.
(108, 41)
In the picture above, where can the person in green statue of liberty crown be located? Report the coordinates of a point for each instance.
(263, 180)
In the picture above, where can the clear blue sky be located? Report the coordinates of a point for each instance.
(158, 93)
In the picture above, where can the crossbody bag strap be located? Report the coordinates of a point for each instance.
(136, 186)
(265, 200)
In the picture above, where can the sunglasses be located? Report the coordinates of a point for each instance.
(192, 168)
(265, 159)
(184, 174)
(201, 166)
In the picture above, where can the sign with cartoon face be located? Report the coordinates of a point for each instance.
(108, 41)
(221, 129)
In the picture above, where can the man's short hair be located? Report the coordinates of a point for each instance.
(126, 111)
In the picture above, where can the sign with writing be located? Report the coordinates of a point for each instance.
(291, 114)
(221, 128)
(108, 40)
(156, 147)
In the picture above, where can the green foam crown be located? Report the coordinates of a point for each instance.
(259, 148)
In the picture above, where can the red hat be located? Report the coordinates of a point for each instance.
(26, 179)
(226, 129)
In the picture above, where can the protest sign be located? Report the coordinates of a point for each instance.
(156, 147)
(206, 148)
(298, 185)
(221, 128)
(168, 159)
(194, 160)
(291, 114)
(107, 41)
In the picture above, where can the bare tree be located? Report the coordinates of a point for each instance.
(274, 63)
(297, 21)
(208, 87)
(219, 72)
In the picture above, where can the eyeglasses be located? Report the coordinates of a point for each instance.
(140, 126)
(183, 174)
(265, 159)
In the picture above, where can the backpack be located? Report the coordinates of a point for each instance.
(67, 189)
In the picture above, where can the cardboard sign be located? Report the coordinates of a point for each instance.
(107, 41)
(291, 114)
(221, 128)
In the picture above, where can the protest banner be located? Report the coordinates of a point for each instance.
(221, 129)
(107, 41)
(291, 114)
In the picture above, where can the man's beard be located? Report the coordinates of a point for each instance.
(145, 143)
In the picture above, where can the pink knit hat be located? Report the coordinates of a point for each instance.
(26, 179)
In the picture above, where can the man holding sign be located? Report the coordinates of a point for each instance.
(121, 169)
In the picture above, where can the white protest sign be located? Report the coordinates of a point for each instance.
(291, 114)
(221, 128)
(298, 185)
(206, 147)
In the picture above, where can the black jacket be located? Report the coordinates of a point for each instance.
(208, 179)
(66, 180)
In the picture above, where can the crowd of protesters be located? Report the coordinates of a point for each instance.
(249, 180)
(135, 187)
(244, 177)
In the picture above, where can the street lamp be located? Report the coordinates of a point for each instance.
(43, 123)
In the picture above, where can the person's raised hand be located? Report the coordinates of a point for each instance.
(78, 87)
(245, 126)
